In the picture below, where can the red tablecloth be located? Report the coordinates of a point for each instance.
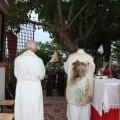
(113, 114)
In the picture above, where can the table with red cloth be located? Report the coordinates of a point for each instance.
(105, 105)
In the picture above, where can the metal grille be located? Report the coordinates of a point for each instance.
(17, 33)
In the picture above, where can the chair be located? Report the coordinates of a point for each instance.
(6, 116)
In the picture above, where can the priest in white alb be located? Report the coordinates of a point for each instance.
(79, 68)
(29, 70)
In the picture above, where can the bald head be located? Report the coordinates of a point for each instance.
(31, 45)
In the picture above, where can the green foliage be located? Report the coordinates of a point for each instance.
(116, 52)
(19, 52)
(102, 15)
(46, 50)
(55, 66)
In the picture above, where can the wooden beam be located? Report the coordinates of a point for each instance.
(4, 7)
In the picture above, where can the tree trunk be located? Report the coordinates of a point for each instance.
(107, 50)
(70, 47)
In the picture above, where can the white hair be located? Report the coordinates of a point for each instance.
(31, 45)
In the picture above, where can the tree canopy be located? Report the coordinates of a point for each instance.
(71, 20)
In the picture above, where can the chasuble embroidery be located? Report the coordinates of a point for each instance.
(79, 69)
(79, 90)
(81, 95)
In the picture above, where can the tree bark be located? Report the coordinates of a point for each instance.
(107, 50)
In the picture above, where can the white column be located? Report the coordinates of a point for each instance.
(2, 83)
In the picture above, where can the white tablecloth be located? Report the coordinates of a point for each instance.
(105, 94)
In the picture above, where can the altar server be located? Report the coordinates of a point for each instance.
(79, 68)
(29, 70)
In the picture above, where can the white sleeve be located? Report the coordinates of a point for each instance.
(15, 68)
(65, 66)
(93, 65)
(42, 70)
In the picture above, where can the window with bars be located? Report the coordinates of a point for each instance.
(16, 34)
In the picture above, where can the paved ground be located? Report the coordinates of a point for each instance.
(54, 98)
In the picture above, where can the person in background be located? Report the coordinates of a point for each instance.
(29, 70)
(79, 68)
(107, 71)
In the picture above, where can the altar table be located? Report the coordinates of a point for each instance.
(106, 99)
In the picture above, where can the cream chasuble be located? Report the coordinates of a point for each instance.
(79, 90)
